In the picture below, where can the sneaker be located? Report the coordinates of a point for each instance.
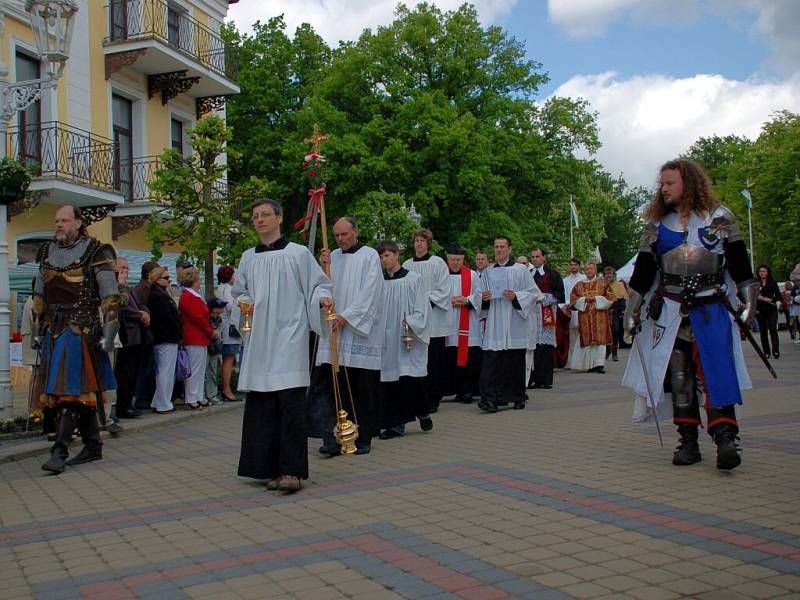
(216, 400)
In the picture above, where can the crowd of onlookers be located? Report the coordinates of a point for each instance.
(174, 343)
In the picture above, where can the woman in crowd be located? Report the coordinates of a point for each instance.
(165, 323)
(769, 298)
(231, 339)
(196, 336)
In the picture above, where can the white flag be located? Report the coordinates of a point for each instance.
(747, 197)
(574, 213)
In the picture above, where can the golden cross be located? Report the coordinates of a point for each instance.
(316, 139)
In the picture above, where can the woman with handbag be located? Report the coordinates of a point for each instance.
(165, 323)
(196, 336)
(231, 338)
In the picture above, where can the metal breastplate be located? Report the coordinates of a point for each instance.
(70, 291)
(691, 268)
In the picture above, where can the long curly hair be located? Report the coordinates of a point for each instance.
(697, 190)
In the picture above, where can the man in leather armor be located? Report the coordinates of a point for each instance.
(75, 306)
(692, 268)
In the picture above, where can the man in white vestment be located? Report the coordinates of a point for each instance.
(405, 347)
(358, 291)
(510, 295)
(289, 295)
(464, 341)
(436, 282)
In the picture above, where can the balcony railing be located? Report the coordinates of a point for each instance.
(131, 20)
(60, 151)
(135, 176)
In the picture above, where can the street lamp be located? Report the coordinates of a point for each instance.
(52, 22)
(413, 214)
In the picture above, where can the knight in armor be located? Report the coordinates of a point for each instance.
(692, 264)
(75, 307)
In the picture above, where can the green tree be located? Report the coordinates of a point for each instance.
(431, 109)
(198, 209)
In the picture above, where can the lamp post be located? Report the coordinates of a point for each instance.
(414, 215)
(52, 22)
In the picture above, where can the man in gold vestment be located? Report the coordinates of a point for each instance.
(592, 299)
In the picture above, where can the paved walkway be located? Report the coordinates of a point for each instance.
(568, 498)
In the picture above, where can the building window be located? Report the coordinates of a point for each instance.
(29, 150)
(176, 135)
(118, 16)
(28, 250)
(122, 121)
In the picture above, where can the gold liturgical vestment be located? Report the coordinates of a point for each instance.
(595, 297)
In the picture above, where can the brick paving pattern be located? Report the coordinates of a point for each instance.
(566, 499)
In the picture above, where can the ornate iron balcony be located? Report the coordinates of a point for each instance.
(60, 151)
(133, 20)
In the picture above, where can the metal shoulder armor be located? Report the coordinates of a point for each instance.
(723, 221)
(649, 237)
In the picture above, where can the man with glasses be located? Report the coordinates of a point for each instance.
(289, 295)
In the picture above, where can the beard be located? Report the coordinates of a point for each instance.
(65, 239)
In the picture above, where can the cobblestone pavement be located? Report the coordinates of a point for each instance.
(566, 499)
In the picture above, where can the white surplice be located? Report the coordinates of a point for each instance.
(358, 293)
(507, 327)
(285, 287)
(474, 297)
(436, 282)
(569, 283)
(405, 298)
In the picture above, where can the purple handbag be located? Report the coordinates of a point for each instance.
(183, 368)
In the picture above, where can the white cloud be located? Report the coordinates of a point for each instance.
(647, 120)
(775, 22)
(337, 20)
(588, 18)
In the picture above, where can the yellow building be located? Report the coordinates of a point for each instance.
(140, 74)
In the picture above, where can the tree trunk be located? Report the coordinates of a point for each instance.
(209, 259)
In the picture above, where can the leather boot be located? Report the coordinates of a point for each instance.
(65, 425)
(688, 450)
(90, 436)
(727, 449)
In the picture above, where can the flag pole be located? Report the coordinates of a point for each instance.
(749, 201)
(571, 244)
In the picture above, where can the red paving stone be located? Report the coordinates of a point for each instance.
(142, 579)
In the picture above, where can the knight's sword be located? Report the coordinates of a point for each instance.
(650, 396)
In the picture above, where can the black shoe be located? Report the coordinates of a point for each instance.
(467, 399)
(55, 464)
(546, 386)
(329, 451)
(727, 449)
(426, 424)
(536, 386)
(776, 355)
(519, 405)
(85, 455)
(127, 414)
(614, 358)
(363, 450)
(487, 406)
(600, 370)
(388, 434)
(688, 450)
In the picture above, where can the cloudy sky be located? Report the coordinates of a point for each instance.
(659, 73)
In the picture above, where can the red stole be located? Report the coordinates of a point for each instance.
(548, 314)
(463, 319)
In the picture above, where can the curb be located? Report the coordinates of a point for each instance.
(17, 452)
